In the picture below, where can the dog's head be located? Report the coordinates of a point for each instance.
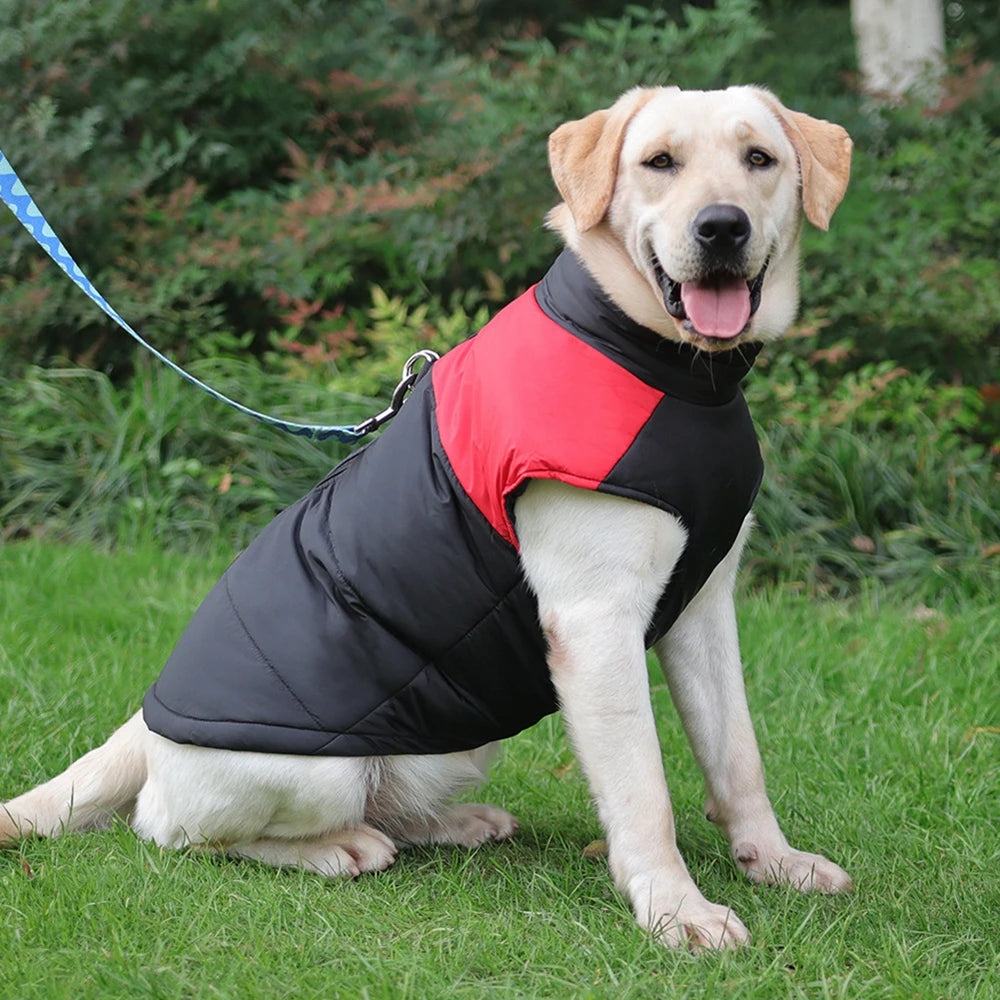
(687, 205)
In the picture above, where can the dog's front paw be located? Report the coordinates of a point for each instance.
(697, 926)
(687, 920)
(806, 872)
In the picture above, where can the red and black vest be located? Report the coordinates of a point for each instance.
(386, 612)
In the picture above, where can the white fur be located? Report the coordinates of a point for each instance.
(333, 815)
(597, 564)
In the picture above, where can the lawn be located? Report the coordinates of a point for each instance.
(879, 726)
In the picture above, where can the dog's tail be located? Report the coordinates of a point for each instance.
(93, 789)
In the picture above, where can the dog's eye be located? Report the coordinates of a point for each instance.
(758, 158)
(662, 161)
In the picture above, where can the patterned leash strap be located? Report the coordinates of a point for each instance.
(16, 197)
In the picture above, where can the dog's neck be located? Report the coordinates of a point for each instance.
(604, 257)
(572, 297)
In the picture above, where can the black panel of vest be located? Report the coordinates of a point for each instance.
(382, 614)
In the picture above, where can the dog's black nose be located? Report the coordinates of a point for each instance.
(722, 229)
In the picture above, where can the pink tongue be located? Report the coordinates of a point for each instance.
(717, 309)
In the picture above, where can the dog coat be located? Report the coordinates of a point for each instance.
(386, 612)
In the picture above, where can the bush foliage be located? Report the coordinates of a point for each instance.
(295, 195)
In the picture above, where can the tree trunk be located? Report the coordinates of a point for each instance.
(900, 47)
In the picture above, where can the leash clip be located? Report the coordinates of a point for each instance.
(410, 375)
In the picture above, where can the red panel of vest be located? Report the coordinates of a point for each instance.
(518, 402)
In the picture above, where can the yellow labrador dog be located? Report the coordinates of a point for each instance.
(681, 215)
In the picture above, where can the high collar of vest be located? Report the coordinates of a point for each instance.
(570, 296)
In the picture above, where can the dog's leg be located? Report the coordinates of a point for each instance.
(93, 789)
(281, 810)
(467, 824)
(198, 796)
(411, 800)
(342, 853)
(701, 661)
(598, 565)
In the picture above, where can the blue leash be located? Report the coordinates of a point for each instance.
(16, 197)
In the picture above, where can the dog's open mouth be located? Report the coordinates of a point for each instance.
(718, 306)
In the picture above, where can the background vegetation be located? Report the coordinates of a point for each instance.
(290, 196)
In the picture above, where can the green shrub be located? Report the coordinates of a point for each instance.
(203, 162)
(83, 458)
(154, 136)
(909, 270)
(874, 476)
(338, 357)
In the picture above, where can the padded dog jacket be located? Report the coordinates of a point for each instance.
(386, 612)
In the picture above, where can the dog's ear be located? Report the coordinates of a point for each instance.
(824, 153)
(583, 157)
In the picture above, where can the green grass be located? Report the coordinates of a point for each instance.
(877, 721)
